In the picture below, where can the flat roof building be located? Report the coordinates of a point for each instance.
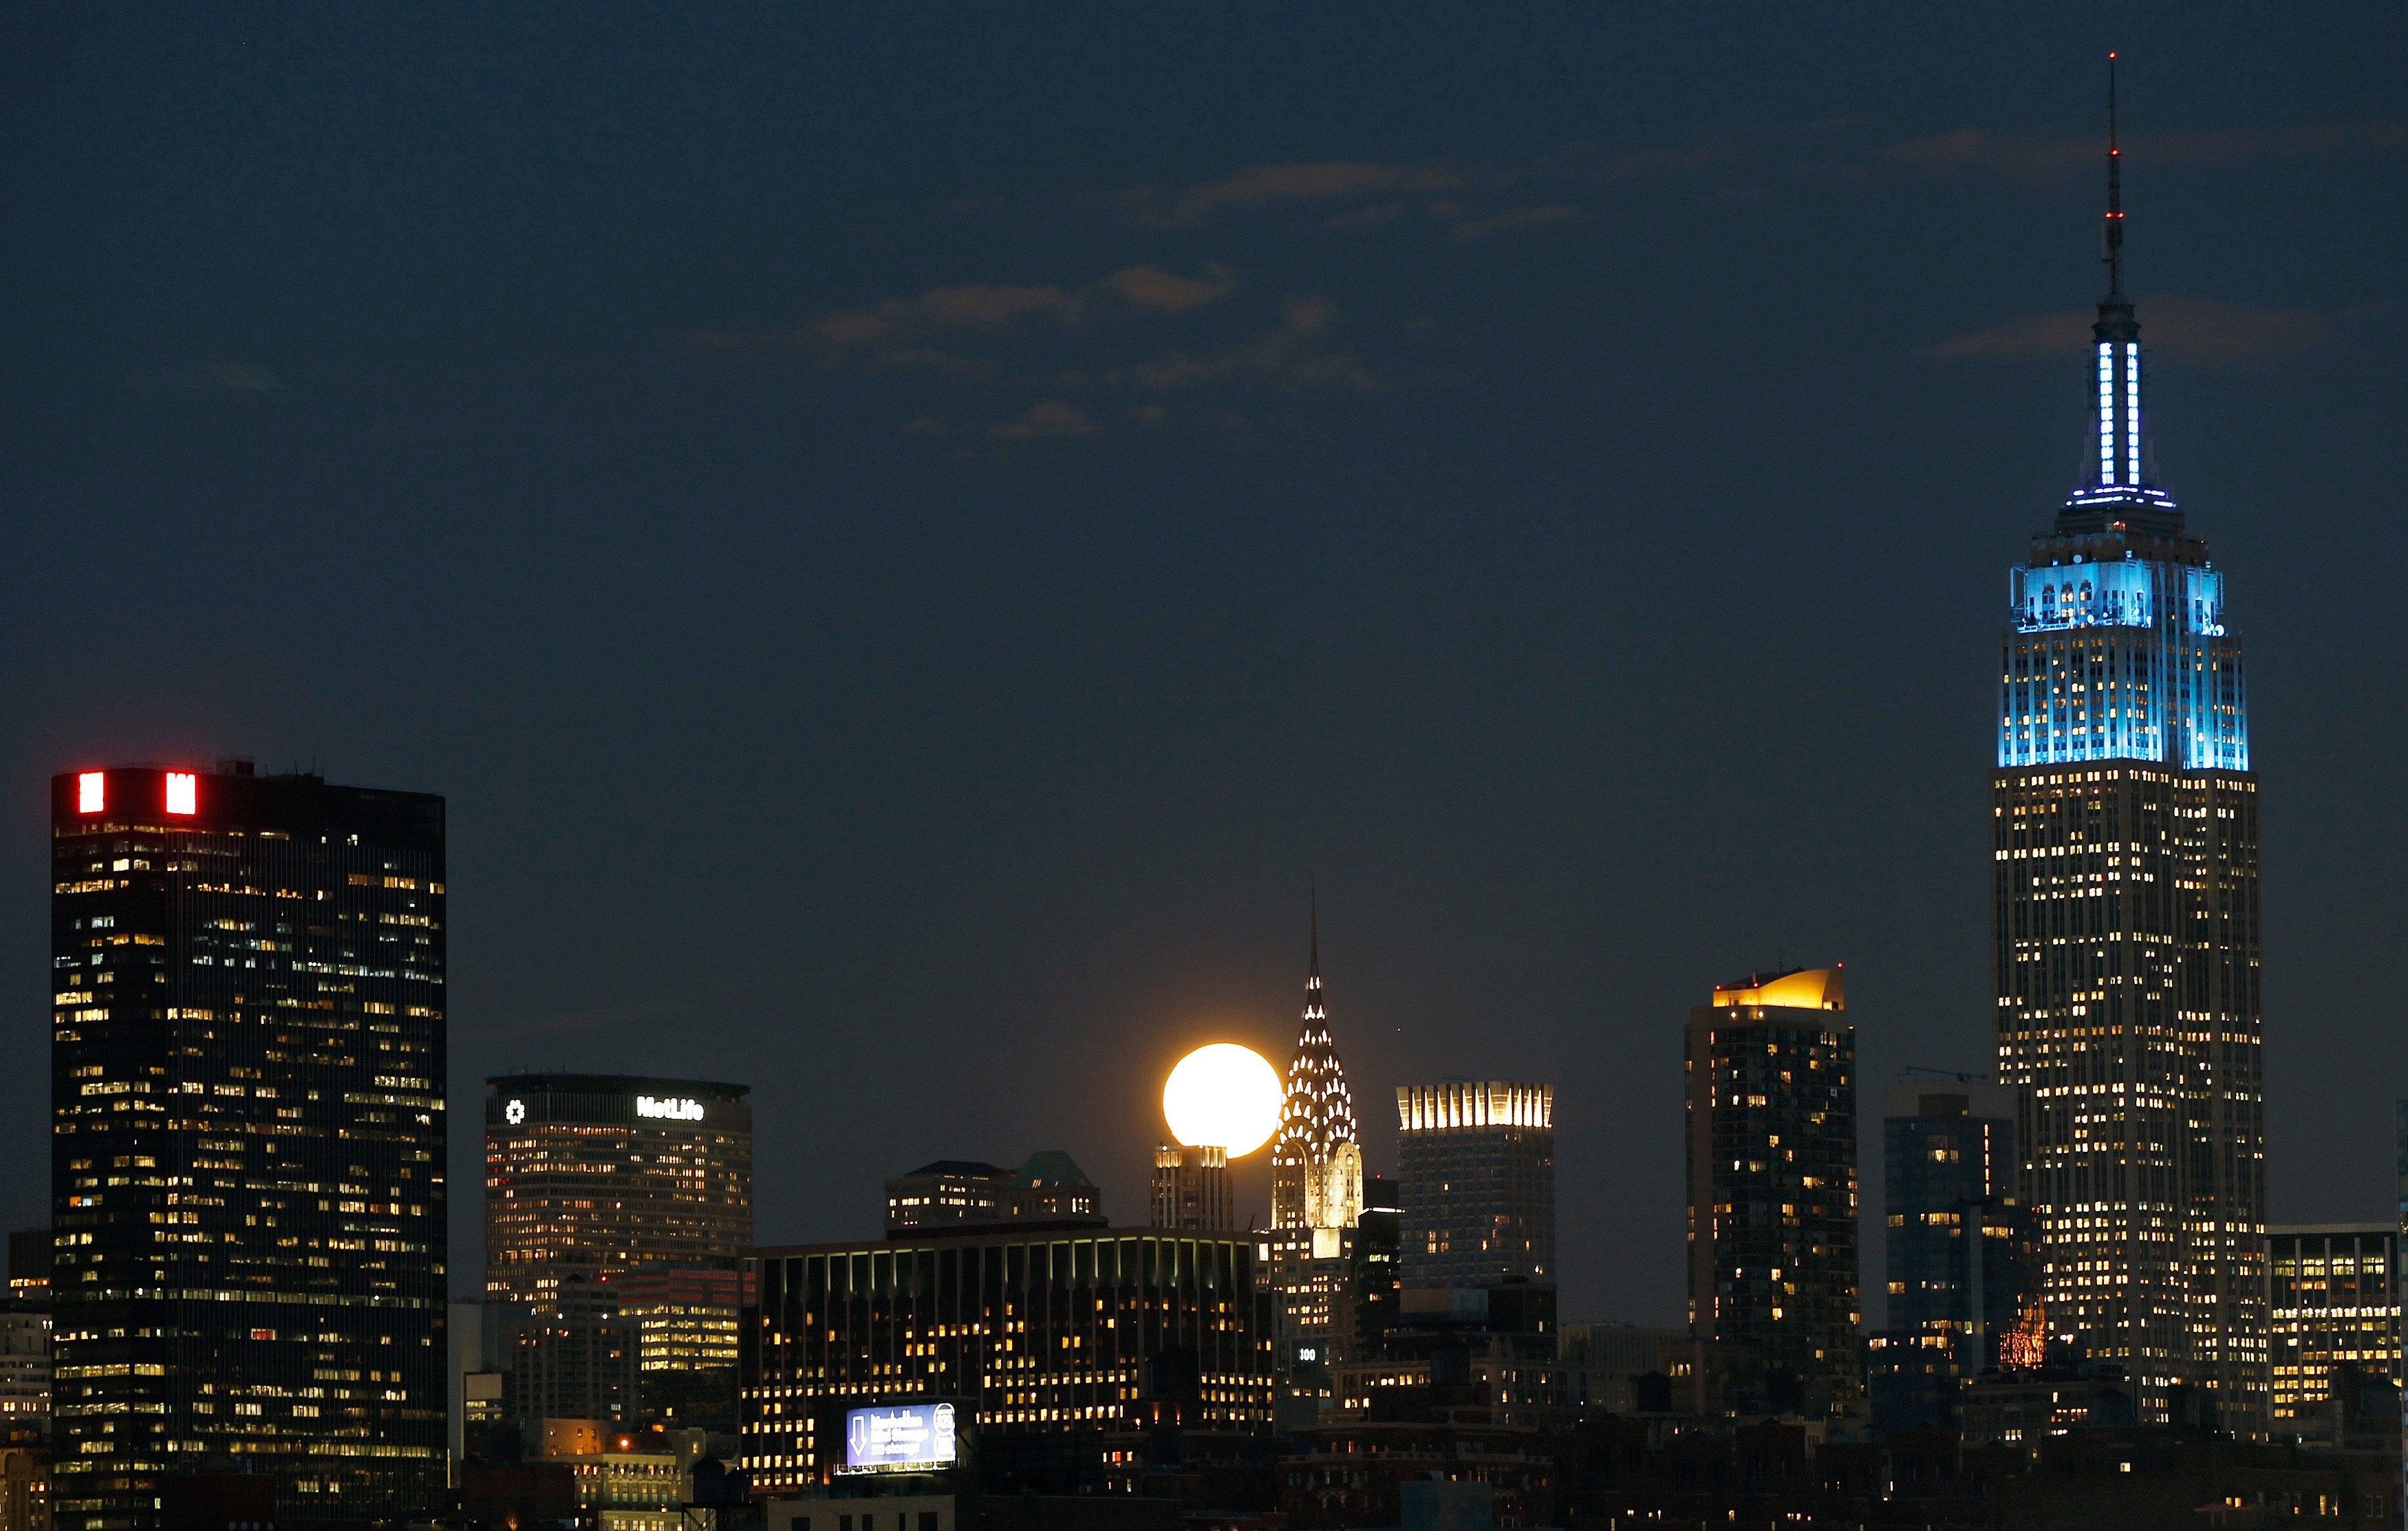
(1476, 1170)
(2336, 1311)
(1076, 1333)
(248, 1139)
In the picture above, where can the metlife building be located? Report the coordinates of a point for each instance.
(676, 1153)
(617, 1210)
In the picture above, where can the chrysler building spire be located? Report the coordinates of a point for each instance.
(1316, 1163)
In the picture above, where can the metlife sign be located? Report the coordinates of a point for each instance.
(671, 1110)
(899, 1438)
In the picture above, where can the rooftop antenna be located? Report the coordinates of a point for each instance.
(2111, 235)
(1314, 894)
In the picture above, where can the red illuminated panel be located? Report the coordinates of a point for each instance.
(183, 792)
(92, 792)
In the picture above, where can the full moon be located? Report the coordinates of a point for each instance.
(1223, 1097)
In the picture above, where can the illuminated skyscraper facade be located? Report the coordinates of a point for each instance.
(2125, 856)
(1316, 1161)
(1771, 1111)
(1191, 1188)
(1476, 1167)
(1316, 1201)
(2336, 1318)
(1963, 1251)
(1103, 1338)
(676, 1153)
(247, 1140)
(592, 1291)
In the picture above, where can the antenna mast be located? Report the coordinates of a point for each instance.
(2111, 235)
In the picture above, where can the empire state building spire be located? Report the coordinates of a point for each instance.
(1316, 1163)
(2117, 339)
(2111, 242)
(2124, 861)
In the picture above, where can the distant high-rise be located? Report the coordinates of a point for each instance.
(2335, 1312)
(29, 1263)
(248, 1151)
(25, 1335)
(1316, 1162)
(1963, 1253)
(1191, 1188)
(1307, 1259)
(1772, 1086)
(1050, 1188)
(678, 1157)
(25, 1364)
(1476, 1163)
(678, 1154)
(2124, 846)
(946, 1190)
(1375, 1284)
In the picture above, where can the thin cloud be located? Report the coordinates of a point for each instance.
(900, 332)
(1323, 181)
(2034, 334)
(984, 306)
(1050, 419)
(1294, 355)
(1511, 219)
(1363, 218)
(1151, 290)
(2200, 332)
(2030, 158)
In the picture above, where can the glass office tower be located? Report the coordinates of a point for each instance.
(2125, 853)
(247, 1158)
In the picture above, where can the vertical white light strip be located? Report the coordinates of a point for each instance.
(2106, 414)
(2132, 411)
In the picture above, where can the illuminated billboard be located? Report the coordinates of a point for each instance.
(899, 1438)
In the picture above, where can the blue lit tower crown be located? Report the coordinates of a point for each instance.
(2124, 867)
(2118, 649)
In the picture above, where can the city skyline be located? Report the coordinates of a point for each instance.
(812, 713)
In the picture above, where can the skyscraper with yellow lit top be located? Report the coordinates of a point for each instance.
(1771, 1075)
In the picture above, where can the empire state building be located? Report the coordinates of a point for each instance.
(2123, 837)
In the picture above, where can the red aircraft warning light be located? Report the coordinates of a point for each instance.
(91, 791)
(183, 792)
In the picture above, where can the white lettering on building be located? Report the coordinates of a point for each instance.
(675, 1111)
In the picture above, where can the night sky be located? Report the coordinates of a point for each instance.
(909, 534)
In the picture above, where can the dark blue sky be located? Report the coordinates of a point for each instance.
(906, 535)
